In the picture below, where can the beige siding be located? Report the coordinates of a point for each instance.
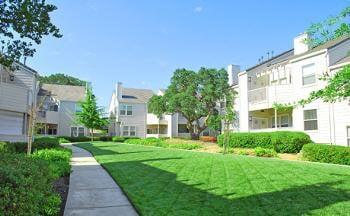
(138, 119)
(13, 98)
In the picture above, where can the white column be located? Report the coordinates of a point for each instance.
(244, 103)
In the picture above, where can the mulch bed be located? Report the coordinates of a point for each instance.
(61, 186)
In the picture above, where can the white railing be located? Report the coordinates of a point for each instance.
(258, 95)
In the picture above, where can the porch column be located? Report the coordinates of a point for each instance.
(244, 102)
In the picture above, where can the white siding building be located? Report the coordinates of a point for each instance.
(288, 78)
(18, 91)
(58, 105)
(129, 116)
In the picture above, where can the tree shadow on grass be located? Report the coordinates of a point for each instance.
(158, 192)
(98, 150)
(154, 191)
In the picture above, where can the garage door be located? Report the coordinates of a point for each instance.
(11, 123)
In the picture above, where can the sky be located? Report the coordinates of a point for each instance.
(142, 42)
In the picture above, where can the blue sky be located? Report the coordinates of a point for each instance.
(141, 43)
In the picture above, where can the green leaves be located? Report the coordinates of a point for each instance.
(90, 115)
(329, 29)
(61, 79)
(195, 95)
(23, 22)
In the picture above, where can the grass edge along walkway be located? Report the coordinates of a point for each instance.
(176, 182)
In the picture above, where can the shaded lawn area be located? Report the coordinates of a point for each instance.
(176, 182)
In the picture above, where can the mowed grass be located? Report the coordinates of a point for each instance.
(162, 181)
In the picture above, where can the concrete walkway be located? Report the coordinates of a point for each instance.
(92, 191)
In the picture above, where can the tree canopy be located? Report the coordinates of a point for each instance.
(91, 115)
(61, 79)
(332, 28)
(195, 96)
(22, 23)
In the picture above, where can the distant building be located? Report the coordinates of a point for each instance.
(57, 107)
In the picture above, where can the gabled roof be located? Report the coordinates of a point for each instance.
(63, 92)
(343, 60)
(274, 60)
(131, 95)
(327, 45)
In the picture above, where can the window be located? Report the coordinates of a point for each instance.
(129, 131)
(309, 74)
(77, 131)
(348, 132)
(282, 121)
(53, 107)
(310, 119)
(126, 110)
(182, 128)
(78, 108)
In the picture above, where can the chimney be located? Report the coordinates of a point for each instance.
(232, 71)
(118, 90)
(300, 45)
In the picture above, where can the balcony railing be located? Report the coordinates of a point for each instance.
(258, 95)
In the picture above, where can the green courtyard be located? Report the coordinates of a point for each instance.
(160, 181)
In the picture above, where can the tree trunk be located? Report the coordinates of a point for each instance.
(92, 134)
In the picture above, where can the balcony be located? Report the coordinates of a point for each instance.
(153, 119)
(13, 98)
(49, 117)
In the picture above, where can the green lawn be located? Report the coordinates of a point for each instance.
(176, 182)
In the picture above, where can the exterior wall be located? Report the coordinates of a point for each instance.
(138, 119)
(339, 52)
(17, 96)
(67, 111)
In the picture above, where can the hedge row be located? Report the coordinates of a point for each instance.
(21, 147)
(163, 142)
(326, 153)
(280, 141)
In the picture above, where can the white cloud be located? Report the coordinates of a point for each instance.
(198, 9)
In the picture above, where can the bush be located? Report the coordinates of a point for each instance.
(45, 143)
(289, 142)
(118, 139)
(280, 141)
(165, 143)
(326, 153)
(105, 138)
(207, 139)
(263, 152)
(63, 140)
(20, 147)
(58, 160)
(79, 139)
(6, 147)
(26, 187)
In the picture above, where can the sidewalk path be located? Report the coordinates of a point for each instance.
(92, 191)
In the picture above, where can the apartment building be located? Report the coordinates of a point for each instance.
(129, 116)
(57, 106)
(288, 78)
(18, 90)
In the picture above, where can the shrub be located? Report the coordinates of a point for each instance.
(26, 187)
(164, 142)
(326, 153)
(280, 141)
(207, 139)
(63, 140)
(289, 142)
(105, 138)
(118, 139)
(79, 139)
(263, 152)
(6, 147)
(20, 147)
(45, 143)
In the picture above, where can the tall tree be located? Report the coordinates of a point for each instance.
(22, 23)
(194, 95)
(62, 79)
(91, 115)
(332, 28)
